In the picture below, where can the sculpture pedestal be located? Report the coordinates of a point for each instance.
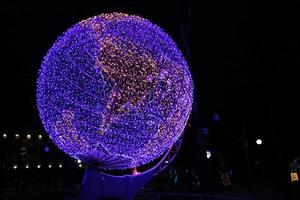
(97, 185)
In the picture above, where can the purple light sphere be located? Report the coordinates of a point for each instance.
(114, 90)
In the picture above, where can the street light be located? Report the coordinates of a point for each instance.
(40, 137)
(17, 136)
(259, 141)
(28, 137)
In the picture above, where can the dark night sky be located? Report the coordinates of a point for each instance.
(244, 58)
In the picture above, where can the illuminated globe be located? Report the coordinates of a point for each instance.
(115, 91)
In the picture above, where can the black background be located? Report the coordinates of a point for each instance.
(243, 55)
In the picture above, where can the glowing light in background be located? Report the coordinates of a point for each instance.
(114, 90)
(4, 135)
(294, 177)
(259, 142)
(46, 149)
(204, 131)
(208, 154)
(40, 137)
(17, 136)
(216, 117)
(28, 137)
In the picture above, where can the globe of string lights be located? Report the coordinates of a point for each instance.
(114, 90)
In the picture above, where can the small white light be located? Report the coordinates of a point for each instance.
(4, 135)
(166, 162)
(28, 137)
(208, 154)
(15, 166)
(17, 136)
(38, 166)
(40, 137)
(78, 161)
(80, 165)
(60, 165)
(27, 166)
(49, 166)
(259, 141)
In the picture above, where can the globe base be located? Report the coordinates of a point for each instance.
(97, 185)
